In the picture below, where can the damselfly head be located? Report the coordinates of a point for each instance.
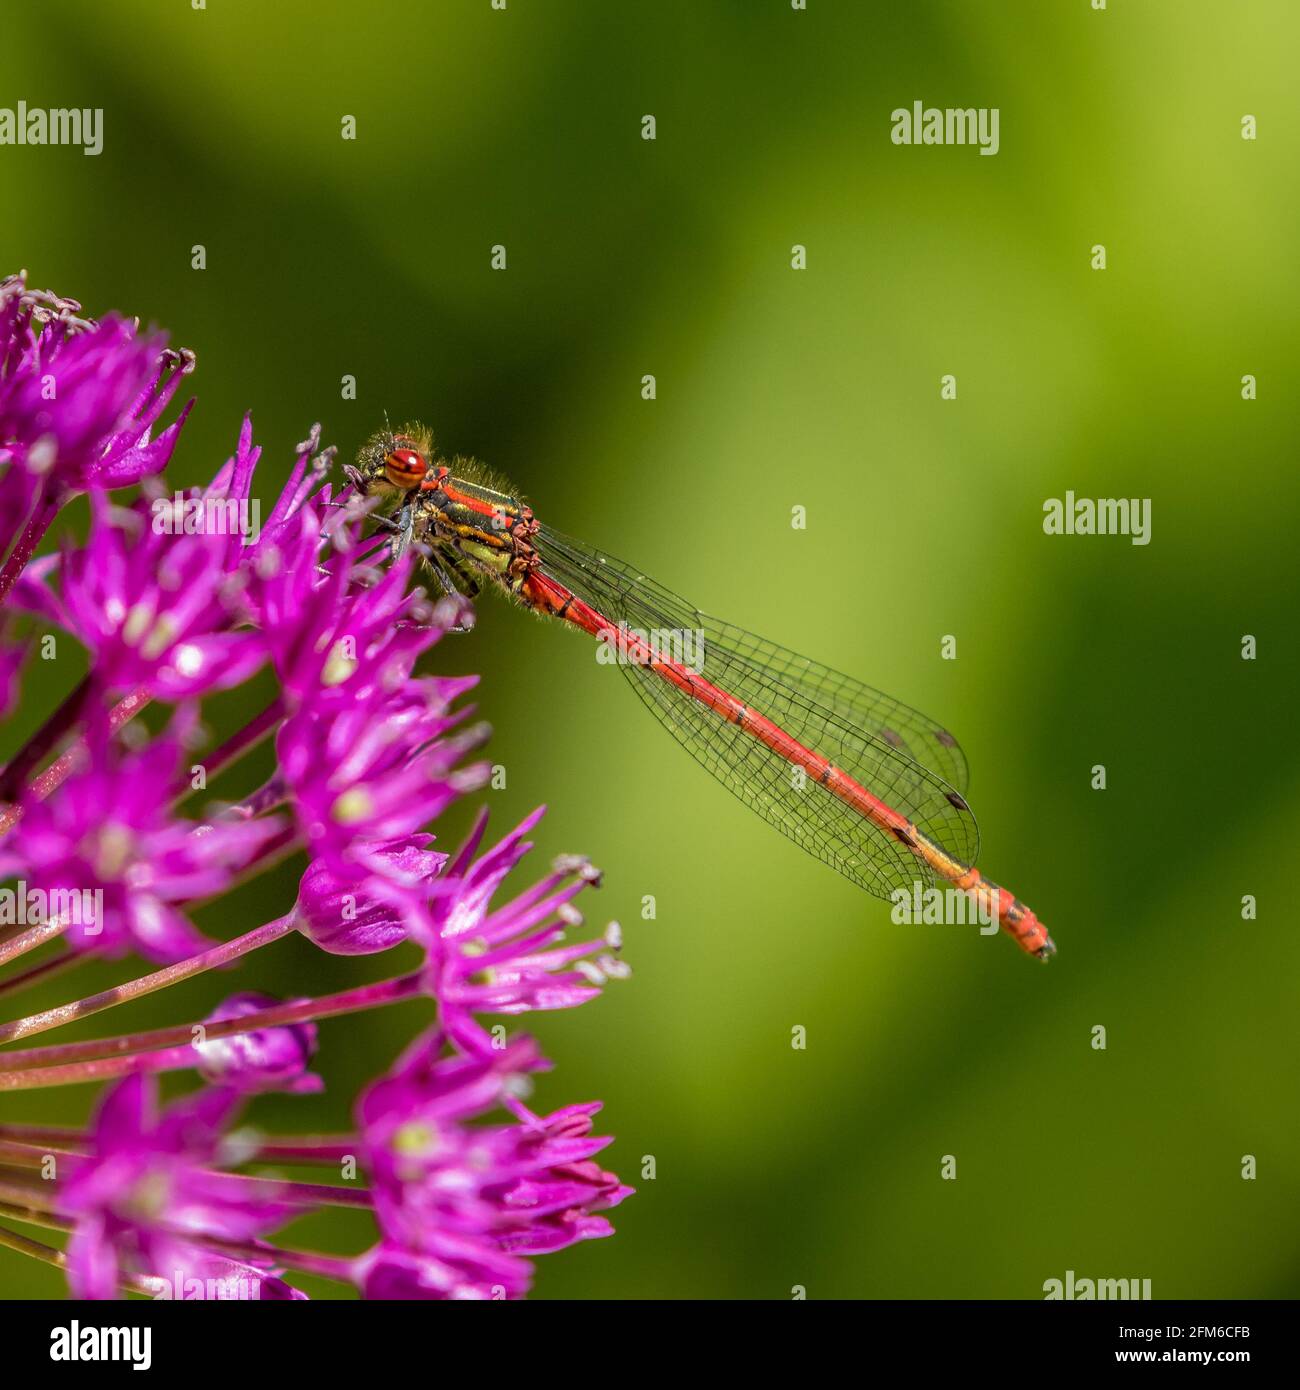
(395, 461)
(405, 466)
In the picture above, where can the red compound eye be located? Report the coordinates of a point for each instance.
(405, 468)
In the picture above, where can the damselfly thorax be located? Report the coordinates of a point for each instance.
(862, 781)
(464, 521)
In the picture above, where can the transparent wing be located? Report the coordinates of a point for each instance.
(877, 741)
(914, 734)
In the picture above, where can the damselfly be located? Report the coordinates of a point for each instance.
(864, 783)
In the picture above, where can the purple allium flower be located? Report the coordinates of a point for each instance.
(431, 1173)
(509, 959)
(466, 1184)
(19, 484)
(330, 644)
(552, 1202)
(81, 396)
(13, 653)
(208, 1276)
(266, 1059)
(360, 914)
(289, 538)
(155, 610)
(145, 1190)
(374, 770)
(111, 833)
(458, 1204)
(480, 959)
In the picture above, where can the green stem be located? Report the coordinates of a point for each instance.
(36, 974)
(267, 797)
(58, 771)
(47, 1254)
(32, 1217)
(70, 1063)
(47, 508)
(297, 1148)
(45, 1134)
(24, 1155)
(337, 1267)
(280, 1189)
(147, 984)
(241, 741)
(30, 939)
(68, 714)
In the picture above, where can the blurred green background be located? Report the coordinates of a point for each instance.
(776, 388)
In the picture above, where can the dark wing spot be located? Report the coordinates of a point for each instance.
(958, 801)
(944, 737)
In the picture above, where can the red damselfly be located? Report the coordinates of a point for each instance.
(863, 782)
